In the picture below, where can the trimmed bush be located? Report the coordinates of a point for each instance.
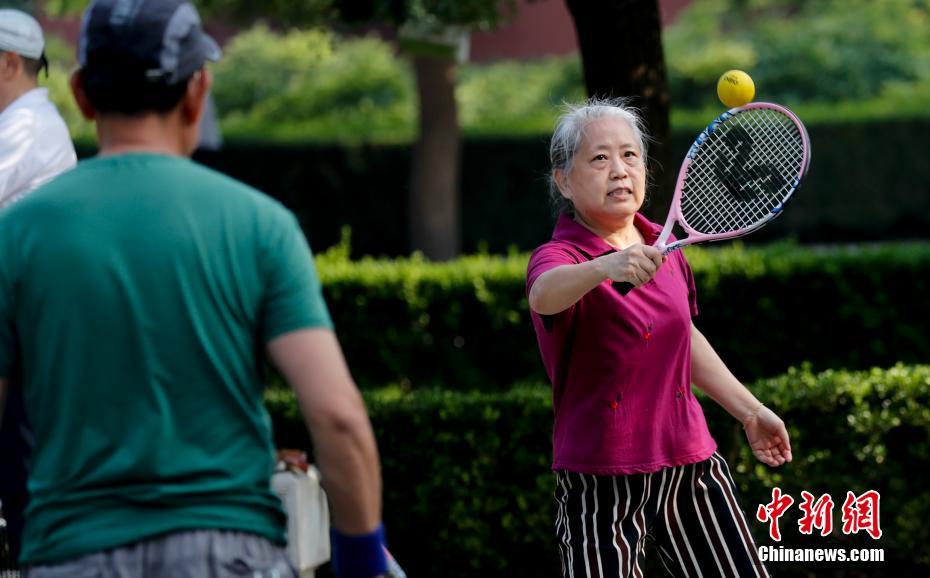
(462, 325)
(468, 491)
(854, 192)
(465, 324)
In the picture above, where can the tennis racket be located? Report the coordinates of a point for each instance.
(738, 175)
(393, 568)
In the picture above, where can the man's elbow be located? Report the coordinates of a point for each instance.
(345, 419)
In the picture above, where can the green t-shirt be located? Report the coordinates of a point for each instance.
(137, 293)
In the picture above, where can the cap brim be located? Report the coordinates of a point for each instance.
(211, 50)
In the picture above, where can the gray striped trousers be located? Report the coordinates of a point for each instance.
(690, 513)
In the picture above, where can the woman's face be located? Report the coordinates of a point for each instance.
(607, 182)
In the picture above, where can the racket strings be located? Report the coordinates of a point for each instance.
(742, 172)
(735, 206)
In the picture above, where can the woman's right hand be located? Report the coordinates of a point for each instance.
(636, 264)
(561, 287)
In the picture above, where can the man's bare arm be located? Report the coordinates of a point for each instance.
(312, 363)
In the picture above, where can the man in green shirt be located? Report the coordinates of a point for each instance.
(138, 293)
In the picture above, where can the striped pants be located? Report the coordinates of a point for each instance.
(691, 514)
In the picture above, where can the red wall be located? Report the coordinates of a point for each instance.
(542, 28)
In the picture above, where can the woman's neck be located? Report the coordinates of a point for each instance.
(619, 238)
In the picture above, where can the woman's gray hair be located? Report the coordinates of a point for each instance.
(569, 132)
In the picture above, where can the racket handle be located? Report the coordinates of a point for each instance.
(623, 287)
(393, 568)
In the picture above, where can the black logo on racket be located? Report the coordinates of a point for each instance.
(744, 182)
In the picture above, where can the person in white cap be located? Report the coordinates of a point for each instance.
(34, 148)
(34, 142)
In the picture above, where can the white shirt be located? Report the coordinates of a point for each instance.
(34, 145)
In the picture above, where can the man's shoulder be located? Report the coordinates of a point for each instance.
(230, 188)
(18, 114)
(16, 122)
(204, 186)
(33, 106)
(180, 181)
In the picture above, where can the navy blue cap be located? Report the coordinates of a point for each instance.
(163, 40)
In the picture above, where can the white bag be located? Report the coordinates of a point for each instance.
(307, 516)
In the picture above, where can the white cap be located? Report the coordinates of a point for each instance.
(21, 33)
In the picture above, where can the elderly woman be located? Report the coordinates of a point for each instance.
(633, 457)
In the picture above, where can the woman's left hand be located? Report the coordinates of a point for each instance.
(768, 438)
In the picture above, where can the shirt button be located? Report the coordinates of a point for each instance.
(614, 405)
(678, 394)
(648, 336)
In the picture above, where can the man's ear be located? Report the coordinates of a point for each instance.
(80, 97)
(195, 98)
(8, 65)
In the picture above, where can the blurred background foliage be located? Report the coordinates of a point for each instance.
(61, 61)
(313, 84)
(830, 60)
(823, 55)
(801, 51)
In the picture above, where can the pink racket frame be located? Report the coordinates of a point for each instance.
(674, 213)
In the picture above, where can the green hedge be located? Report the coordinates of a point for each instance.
(868, 181)
(462, 324)
(465, 324)
(468, 491)
(855, 190)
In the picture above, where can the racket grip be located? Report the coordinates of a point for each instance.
(623, 287)
(393, 568)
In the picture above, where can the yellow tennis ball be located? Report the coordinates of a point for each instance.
(735, 88)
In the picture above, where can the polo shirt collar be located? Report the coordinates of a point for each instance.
(571, 231)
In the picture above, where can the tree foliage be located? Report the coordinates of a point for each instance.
(800, 51)
(314, 84)
(311, 82)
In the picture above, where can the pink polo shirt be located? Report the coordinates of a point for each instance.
(622, 394)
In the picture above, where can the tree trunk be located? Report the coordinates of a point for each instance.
(434, 194)
(621, 52)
